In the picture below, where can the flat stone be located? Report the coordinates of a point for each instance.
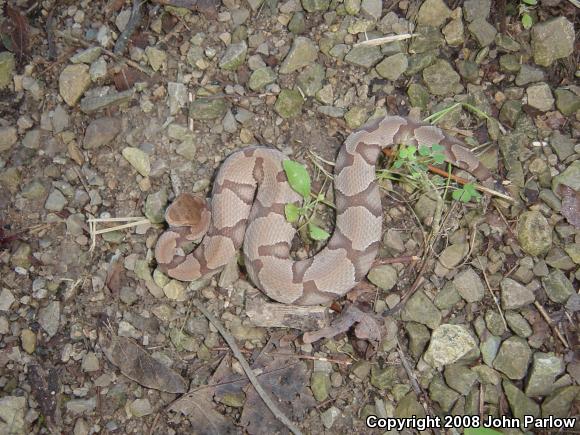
(489, 348)
(207, 109)
(469, 285)
(320, 385)
(567, 102)
(383, 378)
(8, 138)
(454, 32)
(433, 13)
(7, 66)
(529, 74)
(56, 201)
(540, 97)
(534, 233)
(157, 58)
(28, 340)
(420, 309)
(518, 324)
(483, 31)
(310, 79)
(315, 5)
(546, 367)
(261, 78)
(441, 78)
(138, 159)
(302, 53)
(461, 378)
(155, 205)
(513, 358)
(473, 9)
(94, 104)
(101, 132)
(557, 286)
(384, 276)
(364, 56)
(234, 56)
(289, 103)
(447, 297)
(140, 408)
(449, 343)
(551, 40)
(442, 394)
(12, 409)
(520, 404)
(558, 403)
(392, 67)
(49, 318)
(418, 338)
(514, 295)
(73, 81)
(418, 95)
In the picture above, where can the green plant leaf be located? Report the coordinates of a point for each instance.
(437, 148)
(397, 164)
(292, 212)
(527, 21)
(439, 158)
(530, 2)
(480, 431)
(458, 194)
(297, 177)
(424, 151)
(317, 233)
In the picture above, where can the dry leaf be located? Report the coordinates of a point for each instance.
(570, 204)
(75, 153)
(14, 32)
(135, 363)
(127, 77)
(368, 328)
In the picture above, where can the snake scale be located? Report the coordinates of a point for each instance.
(247, 208)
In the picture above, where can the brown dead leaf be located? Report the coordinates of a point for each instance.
(75, 153)
(15, 32)
(135, 363)
(367, 326)
(570, 204)
(46, 391)
(127, 77)
(115, 274)
(208, 8)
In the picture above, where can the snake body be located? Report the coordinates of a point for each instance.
(247, 208)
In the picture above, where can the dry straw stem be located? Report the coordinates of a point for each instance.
(132, 222)
(386, 39)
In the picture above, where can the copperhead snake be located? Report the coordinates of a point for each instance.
(247, 207)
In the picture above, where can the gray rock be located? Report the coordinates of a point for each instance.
(483, 31)
(352, 7)
(138, 159)
(558, 403)
(302, 53)
(420, 309)
(73, 81)
(87, 56)
(504, 41)
(6, 299)
(206, 109)
(8, 138)
(55, 201)
(59, 119)
(364, 56)
(261, 78)
(49, 318)
(510, 112)
(518, 324)
(140, 408)
(567, 101)
(418, 95)
(557, 286)
(433, 13)
(418, 338)
(155, 206)
(372, 9)
(320, 385)
(12, 409)
(514, 295)
(176, 96)
(449, 343)
(31, 139)
(331, 111)
(534, 233)
(297, 24)
(418, 62)
(558, 259)
(473, 9)
(315, 5)
(392, 67)
(409, 407)
(454, 32)
(510, 63)
(356, 117)
(489, 348)
(384, 276)
(310, 79)
(529, 74)
(441, 78)
(453, 255)
(289, 103)
(570, 177)
(469, 285)
(520, 404)
(234, 56)
(329, 416)
(540, 97)
(442, 394)
(7, 65)
(90, 362)
(447, 297)
(383, 378)
(98, 69)
(157, 58)
(546, 367)
(93, 104)
(552, 40)
(101, 132)
(460, 378)
(513, 358)
(427, 38)
(494, 322)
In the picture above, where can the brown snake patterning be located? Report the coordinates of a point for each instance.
(247, 207)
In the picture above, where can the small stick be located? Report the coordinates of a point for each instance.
(122, 227)
(117, 219)
(551, 323)
(132, 24)
(403, 259)
(460, 180)
(247, 369)
(386, 39)
(312, 358)
(117, 57)
(492, 294)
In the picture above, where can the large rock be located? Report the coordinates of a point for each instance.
(557, 286)
(74, 80)
(302, 53)
(433, 13)
(534, 233)
(545, 368)
(8, 137)
(513, 358)
(449, 343)
(514, 295)
(7, 65)
(552, 40)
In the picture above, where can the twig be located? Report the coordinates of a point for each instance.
(386, 39)
(247, 369)
(52, 53)
(117, 57)
(132, 24)
(389, 152)
(550, 322)
(93, 232)
(403, 259)
(310, 357)
(492, 294)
